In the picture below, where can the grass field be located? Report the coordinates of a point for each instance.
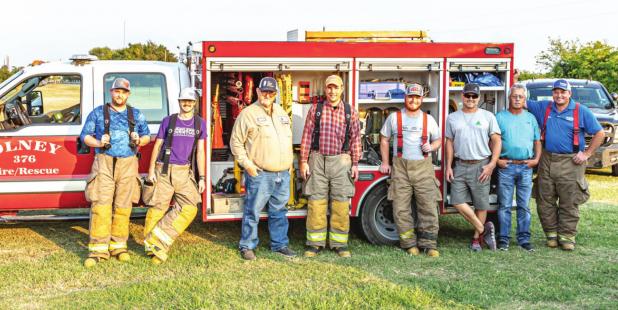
(40, 267)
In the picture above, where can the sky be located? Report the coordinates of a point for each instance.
(55, 30)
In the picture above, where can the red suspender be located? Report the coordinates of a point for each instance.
(424, 134)
(575, 126)
(547, 112)
(424, 137)
(399, 134)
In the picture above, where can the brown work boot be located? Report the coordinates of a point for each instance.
(343, 252)
(432, 253)
(567, 246)
(552, 242)
(312, 251)
(412, 251)
(247, 254)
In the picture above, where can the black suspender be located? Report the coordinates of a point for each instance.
(169, 137)
(315, 137)
(130, 121)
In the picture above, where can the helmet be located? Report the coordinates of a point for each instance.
(187, 94)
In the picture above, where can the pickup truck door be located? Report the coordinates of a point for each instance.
(40, 167)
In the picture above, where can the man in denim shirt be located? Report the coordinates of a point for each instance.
(521, 150)
(113, 185)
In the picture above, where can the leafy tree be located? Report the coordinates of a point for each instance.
(529, 75)
(135, 51)
(594, 60)
(6, 72)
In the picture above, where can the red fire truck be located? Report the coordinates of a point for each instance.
(43, 165)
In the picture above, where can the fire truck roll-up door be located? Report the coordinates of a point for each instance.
(40, 167)
(301, 83)
(496, 72)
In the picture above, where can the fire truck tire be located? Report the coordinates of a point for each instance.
(615, 170)
(376, 222)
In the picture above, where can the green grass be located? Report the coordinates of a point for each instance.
(40, 267)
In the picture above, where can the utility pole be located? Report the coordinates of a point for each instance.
(124, 33)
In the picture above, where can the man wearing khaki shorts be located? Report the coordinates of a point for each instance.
(468, 133)
(179, 145)
(417, 135)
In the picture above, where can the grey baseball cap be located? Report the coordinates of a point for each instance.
(121, 83)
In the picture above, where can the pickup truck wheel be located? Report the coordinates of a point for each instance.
(615, 170)
(376, 219)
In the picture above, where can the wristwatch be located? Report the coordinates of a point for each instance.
(201, 177)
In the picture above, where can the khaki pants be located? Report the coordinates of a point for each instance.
(560, 188)
(415, 178)
(330, 178)
(163, 225)
(113, 187)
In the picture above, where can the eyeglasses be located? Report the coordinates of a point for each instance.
(268, 93)
(518, 96)
(471, 96)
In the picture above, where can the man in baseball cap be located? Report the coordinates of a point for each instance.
(115, 130)
(330, 150)
(261, 142)
(413, 173)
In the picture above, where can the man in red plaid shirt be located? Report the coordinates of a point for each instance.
(330, 150)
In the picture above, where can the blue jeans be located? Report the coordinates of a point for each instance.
(272, 189)
(512, 176)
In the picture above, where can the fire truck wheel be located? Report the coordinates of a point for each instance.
(615, 170)
(376, 222)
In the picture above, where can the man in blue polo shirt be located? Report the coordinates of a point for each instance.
(521, 150)
(562, 184)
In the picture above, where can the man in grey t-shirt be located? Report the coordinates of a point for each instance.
(415, 135)
(468, 134)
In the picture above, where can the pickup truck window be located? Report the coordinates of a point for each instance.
(591, 96)
(148, 93)
(42, 100)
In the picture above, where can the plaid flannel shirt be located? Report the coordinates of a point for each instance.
(332, 132)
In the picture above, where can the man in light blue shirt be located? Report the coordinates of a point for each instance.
(521, 150)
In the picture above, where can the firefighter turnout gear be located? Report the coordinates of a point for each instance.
(113, 187)
(330, 179)
(163, 225)
(415, 178)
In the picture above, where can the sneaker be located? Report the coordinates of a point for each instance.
(432, 253)
(552, 243)
(503, 246)
(312, 251)
(567, 246)
(475, 245)
(412, 251)
(285, 251)
(527, 246)
(343, 252)
(247, 254)
(489, 236)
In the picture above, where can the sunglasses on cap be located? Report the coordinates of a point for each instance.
(473, 96)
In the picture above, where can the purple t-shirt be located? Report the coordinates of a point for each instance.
(182, 144)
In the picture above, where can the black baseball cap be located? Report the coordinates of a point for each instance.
(472, 88)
